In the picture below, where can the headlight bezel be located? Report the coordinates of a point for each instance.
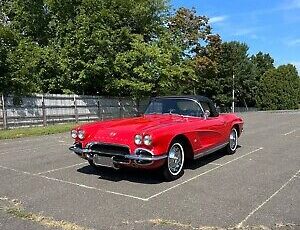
(138, 139)
(81, 134)
(74, 133)
(147, 140)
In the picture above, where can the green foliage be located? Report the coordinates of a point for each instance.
(150, 68)
(263, 63)
(231, 59)
(126, 48)
(279, 88)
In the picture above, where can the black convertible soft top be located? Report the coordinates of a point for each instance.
(198, 98)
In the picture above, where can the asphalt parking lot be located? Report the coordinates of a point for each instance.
(259, 186)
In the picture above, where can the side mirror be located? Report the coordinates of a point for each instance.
(206, 114)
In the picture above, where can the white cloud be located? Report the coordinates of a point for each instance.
(218, 19)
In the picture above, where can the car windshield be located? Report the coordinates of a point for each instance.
(185, 107)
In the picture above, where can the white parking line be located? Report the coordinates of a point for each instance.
(30, 149)
(212, 163)
(16, 170)
(285, 134)
(66, 167)
(240, 225)
(123, 194)
(94, 188)
(72, 183)
(201, 174)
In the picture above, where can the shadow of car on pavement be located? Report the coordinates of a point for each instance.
(146, 176)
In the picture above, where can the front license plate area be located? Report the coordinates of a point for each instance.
(103, 161)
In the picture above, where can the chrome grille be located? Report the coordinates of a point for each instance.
(107, 149)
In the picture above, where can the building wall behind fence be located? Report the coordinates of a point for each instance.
(47, 109)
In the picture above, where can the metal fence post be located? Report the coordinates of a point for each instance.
(99, 113)
(44, 111)
(75, 109)
(137, 107)
(120, 108)
(4, 112)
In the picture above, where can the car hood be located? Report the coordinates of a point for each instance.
(122, 129)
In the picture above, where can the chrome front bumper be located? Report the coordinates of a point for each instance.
(137, 156)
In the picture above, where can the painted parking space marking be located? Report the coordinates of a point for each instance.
(201, 174)
(30, 149)
(240, 225)
(291, 132)
(212, 163)
(57, 169)
(16, 170)
(93, 188)
(39, 175)
(74, 184)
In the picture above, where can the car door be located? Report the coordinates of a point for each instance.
(215, 126)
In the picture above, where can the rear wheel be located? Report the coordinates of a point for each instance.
(233, 142)
(173, 167)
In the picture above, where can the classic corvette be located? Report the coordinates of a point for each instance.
(173, 129)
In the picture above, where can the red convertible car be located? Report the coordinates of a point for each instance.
(173, 129)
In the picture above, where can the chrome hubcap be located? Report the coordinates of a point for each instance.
(233, 140)
(175, 159)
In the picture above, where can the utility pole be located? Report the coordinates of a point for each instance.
(233, 93)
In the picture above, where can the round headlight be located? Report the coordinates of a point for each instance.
(80, 134)
(147, 140)
(138, 139)
(74, 134)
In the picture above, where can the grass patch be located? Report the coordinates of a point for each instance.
(35, 131)
(15, 208)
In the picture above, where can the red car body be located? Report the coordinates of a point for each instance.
(115, 139)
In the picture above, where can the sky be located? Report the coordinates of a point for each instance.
(270, 26)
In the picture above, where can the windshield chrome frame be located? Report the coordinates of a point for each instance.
(180, 98)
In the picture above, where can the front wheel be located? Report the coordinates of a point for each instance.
(173, 168)
(233, 142)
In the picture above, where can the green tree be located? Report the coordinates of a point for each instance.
(29, 18)
(263, 62)
(8, 43)
(279, 88)
(96, 33)
(151, 68)
(234, 60)
(199, 46)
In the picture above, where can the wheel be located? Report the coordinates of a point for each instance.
(173, 167)
(233, 141)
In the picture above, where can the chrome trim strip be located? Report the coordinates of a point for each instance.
(145, 158)
(143, 149)
(206, 152)
(134, 156)
(88, 145)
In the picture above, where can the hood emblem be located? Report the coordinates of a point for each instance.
(112, 134)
